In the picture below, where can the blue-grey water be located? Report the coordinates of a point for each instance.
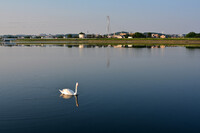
(128, 90)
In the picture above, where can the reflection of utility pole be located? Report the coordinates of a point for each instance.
(108, 57)
(108, 25)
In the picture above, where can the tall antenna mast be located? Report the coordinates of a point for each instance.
(108, 25)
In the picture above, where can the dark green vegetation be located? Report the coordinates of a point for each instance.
(193, 35)
(69, 36)
(138, 35)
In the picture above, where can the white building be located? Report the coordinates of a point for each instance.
(81, 35)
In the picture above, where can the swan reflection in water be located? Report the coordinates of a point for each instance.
(69, 97)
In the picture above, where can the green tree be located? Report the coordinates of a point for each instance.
(60, 36)
(11, 36)
(69, 36)
(76, 36)
(139, 35)
(127, 35)
(198, 35)
(149, 35)
(38, 37)
(28, 37)
(191, 35)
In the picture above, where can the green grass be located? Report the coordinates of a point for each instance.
(106, 39)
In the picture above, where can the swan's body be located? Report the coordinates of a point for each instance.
(70, 92)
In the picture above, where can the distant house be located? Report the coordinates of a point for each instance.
(109, 36)
(163, 36)
(81, 35)
(155, 35)
(118, 36)
(131, 34)
(123, 34)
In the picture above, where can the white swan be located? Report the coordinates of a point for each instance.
(70, 92)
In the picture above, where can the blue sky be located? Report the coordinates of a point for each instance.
(73, 16)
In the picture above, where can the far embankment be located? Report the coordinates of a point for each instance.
(113, 41)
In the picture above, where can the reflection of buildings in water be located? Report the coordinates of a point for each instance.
(154, 46)
(117, 46)
(158, 50)
(69, 97)
(9, 44)
(162, 46)
(81, 46)
(162, 50)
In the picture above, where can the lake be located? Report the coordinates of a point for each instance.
(121, 90)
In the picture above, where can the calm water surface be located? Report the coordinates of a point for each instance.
(137, 90)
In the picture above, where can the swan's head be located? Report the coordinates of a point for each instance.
(76, 83)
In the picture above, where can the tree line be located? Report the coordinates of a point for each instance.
(193, 35)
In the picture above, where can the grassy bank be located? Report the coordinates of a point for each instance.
(107, 39)
(135, 41)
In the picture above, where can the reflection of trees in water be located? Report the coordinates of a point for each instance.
(69, 97)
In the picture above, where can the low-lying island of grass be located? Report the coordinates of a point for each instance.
(115, 41)
(188, 42)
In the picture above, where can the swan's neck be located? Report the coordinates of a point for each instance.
(76, 89)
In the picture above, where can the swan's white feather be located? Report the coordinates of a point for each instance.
(67, 92)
